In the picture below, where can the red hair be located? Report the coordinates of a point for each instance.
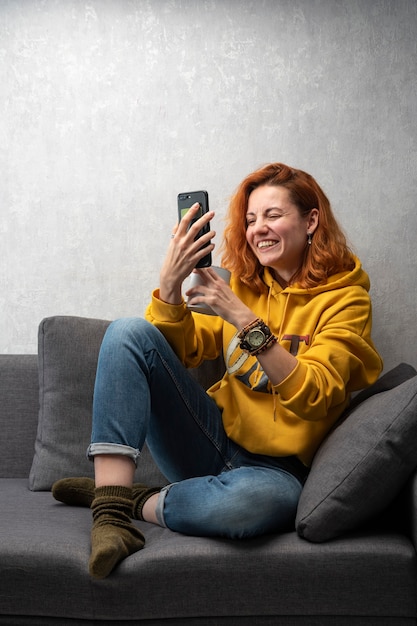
(328, 253)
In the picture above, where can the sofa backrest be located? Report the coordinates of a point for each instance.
(19, 407)
(68, 350)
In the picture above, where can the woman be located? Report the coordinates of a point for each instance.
(295, 330)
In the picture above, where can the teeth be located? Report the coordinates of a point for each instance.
(266, 244)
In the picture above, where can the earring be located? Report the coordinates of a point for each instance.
(309, 238)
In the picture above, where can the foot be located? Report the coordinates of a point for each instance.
(74, 491)
(110, 544)
(141, 494)
(113, 536)
(80, 492)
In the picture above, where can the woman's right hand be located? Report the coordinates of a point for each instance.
(183, 254)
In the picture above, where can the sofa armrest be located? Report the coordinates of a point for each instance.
(409, 509)
(19, 407)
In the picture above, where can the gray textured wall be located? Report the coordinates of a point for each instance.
(108, 108)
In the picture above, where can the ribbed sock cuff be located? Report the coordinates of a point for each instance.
(113, 491)
(139, 501)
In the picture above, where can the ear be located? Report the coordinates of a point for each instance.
(313, 220)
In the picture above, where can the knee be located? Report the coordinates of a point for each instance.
(126, 325)
(125, 334)
(238, 504)
(126, 329)
(252, 508)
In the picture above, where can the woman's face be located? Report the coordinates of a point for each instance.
(276, 232)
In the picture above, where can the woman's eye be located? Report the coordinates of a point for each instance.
(270, 216)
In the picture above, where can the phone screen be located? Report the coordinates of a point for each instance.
(185, 202)
(183, 212)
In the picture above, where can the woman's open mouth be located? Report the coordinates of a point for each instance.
(264, 245)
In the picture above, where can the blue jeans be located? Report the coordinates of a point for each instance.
(218, 488)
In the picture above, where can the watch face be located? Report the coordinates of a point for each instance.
(255, 338)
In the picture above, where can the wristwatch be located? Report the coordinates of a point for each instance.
(256, 337)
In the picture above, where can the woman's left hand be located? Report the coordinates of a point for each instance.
(216, 293)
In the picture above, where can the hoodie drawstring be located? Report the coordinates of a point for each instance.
(281, 325)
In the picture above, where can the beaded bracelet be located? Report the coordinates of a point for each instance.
(269, 342)
(249, 326)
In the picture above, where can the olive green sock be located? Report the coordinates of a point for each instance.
(113, 536)
(74, 491)
(80, 492)
(141, 493)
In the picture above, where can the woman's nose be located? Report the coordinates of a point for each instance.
(260, 225)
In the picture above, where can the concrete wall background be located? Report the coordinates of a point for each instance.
(109, 108)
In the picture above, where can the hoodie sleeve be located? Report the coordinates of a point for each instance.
(194, 337)
(341, 358)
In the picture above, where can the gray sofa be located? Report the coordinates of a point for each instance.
(350, 561)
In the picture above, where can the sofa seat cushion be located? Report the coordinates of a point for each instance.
(365, 461)
(45, 545)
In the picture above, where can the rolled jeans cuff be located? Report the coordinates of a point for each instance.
(159, 509)
(95, 449)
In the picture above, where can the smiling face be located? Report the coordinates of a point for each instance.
(276, 231)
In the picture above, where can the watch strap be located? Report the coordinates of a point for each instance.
(268, 343)
(270, 339)
(256, 322)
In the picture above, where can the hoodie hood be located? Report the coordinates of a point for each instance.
(357, 276)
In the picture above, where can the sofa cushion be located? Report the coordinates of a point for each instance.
(364, 461)
(268, 580)
(68, 352)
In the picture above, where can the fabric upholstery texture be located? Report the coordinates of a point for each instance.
(47, 545)
(364, 461)
(68, 352)
(365, 578)
(19, 393)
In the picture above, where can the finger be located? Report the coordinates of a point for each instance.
(200, 223)
(195, 292)
(205, 273)
(189, 216)
(204, 240)
(209, 274)
(202, 251)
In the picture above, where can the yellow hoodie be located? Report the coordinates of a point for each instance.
(327, 328)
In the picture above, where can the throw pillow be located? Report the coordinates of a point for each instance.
(68, 352)
(364, 461)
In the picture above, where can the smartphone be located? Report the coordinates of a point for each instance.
(185, 202)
